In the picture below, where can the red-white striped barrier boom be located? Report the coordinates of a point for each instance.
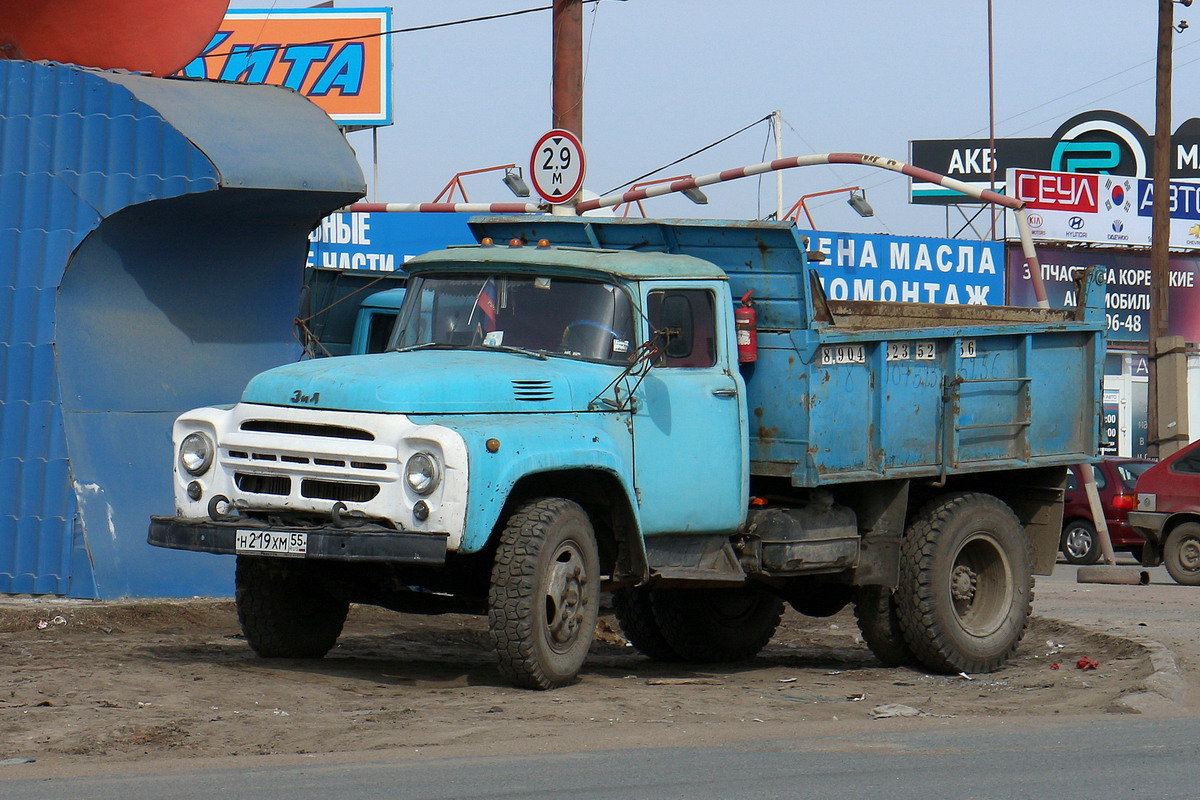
(657, 190)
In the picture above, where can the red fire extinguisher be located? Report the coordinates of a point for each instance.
(745, 322)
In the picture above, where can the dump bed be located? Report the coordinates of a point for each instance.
(853, 391)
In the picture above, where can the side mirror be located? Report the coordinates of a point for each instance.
(677, 324)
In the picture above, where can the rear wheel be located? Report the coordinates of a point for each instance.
(966, 584)
(1181, 554)
(1078, 544)
(875, 610)
(284, 610)
(545, 593)
(635, 613)
(709, 625)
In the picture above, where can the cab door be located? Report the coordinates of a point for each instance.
(690, 448)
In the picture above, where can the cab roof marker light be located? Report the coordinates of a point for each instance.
(543, 243)
(486, 241)
(515, 243)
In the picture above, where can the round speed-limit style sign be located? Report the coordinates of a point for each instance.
(557, 166)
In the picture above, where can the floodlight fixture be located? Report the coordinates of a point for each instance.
(515, 182)
(858, 201)
(696, 196)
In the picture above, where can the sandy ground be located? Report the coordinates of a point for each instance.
(138, 680)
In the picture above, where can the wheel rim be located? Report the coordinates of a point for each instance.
(1189, 554)
(980, 585)
(1078, 542)
(565, 596)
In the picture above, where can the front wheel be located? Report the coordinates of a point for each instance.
(1181, 554)
(1078, 543)
(966, 583)
(545, 593)
(284, 610)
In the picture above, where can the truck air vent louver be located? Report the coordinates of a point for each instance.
(332, 490)
(263, 484)
(533, 391)
(307, 429)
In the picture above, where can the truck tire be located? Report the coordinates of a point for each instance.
(875, 611)
(284, 611)
(1181, 554)
(1078, 543)
(966, 583)
(710, 625)
(635, 614)
(545, 593)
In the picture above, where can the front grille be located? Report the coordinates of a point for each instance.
(332, 490)
(263, 484)
(307, 429)
(533, 391)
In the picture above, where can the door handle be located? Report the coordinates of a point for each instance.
(725, 392)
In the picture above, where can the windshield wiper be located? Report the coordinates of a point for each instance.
(508, 348)
(538, 354)
(408, 348)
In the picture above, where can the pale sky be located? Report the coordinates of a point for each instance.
(667, 77)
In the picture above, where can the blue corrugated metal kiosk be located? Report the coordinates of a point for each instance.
(152, 243)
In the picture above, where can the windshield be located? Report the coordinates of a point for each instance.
(564, 316)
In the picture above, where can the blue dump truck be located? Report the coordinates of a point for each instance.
(578, 404)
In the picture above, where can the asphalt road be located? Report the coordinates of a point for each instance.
(1127, 757)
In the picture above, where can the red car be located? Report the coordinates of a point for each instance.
(1115, 480)
(1168, 514)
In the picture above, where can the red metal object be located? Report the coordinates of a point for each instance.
(155, 36)
(745, 322)
(794, 211)
(1086, 663)
(446, 195)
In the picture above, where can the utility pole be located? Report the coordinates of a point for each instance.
(1166, 414)
(567, 83)
(567, 78)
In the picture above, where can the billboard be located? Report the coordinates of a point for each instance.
(1127, 274)
(382, 242)
(1094, 142)
(909, 269)
(1102, 209)
(338, 58)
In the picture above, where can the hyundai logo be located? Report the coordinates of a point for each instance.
(1075, 223)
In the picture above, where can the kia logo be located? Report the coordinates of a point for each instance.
(1035, 220)
(1076, 223)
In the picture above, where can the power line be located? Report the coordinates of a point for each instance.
(689, 155)
(381, 34)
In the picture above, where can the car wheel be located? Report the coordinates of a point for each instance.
(1078, 542)
(1181, 554)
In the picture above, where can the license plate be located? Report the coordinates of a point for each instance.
(273, 543)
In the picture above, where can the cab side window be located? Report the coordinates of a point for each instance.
(682, 325)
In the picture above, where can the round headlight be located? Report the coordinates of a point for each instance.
(422, 473)
(196, 453)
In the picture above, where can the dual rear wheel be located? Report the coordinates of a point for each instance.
(965, 590)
